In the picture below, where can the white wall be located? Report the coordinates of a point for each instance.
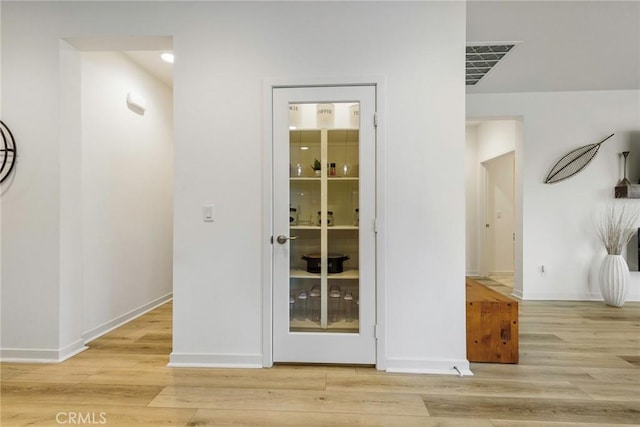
(127, 191)
(70, 214)
(495, 138)
(557, 228)
(224, 52)
(30, 206)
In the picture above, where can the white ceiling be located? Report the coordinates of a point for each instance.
(565, 45)
(150, 61)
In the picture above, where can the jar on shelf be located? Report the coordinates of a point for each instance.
(292, 302)
(325, 116)
(330, 219)
(349, 307)
(332, 169)
(313, 302)
(301, 305)
(293, 216)
(335, 297)
(354, 116)
(356, 217)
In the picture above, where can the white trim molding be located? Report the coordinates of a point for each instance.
(30, 355)
(195, 360)
(573, 296)
(429, 366)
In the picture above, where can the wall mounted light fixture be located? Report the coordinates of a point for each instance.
(136, 103)
(168, 57)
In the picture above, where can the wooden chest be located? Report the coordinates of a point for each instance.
(492, 325)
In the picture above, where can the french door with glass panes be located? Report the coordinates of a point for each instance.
(324, 286)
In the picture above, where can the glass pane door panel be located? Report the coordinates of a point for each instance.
(324, 282)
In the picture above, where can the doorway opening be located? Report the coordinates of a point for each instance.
(499, 202)
(494, 202)
(117, 197)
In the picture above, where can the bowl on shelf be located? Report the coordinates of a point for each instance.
(334, 261)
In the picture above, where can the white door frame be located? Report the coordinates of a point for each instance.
(483, 218)
(267, 197)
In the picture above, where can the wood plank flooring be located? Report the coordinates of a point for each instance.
(579, 366)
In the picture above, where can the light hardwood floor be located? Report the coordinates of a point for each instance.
(579, 366)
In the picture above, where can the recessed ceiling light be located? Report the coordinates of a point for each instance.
(304, 148)
(167, 57)
(481, 58)
(292, 128)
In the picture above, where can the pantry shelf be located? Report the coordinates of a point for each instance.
(348, 274)
(311, 326)
(316, 227)
(330, 178)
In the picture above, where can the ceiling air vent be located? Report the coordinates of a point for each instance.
(481, 58)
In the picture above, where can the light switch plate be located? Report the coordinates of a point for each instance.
(207, 213)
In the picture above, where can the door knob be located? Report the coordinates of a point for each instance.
(283, 239)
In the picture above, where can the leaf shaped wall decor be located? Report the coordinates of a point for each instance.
(573, 162)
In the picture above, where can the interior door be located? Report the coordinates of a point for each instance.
(324, 288)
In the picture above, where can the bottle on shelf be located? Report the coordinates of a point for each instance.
(314, 303)
(335, 297)
(330, 219)
(332, 169)
(349, 307)
(301, 305)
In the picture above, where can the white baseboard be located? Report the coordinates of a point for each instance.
(29, 355)
(193, 360)
(578, 296)
(499, 273)
(109, 326)
(430, 366)
(473, 273)
(559, 296)
(517, 293)
(71, 350)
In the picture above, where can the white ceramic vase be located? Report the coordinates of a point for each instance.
(614, 280)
